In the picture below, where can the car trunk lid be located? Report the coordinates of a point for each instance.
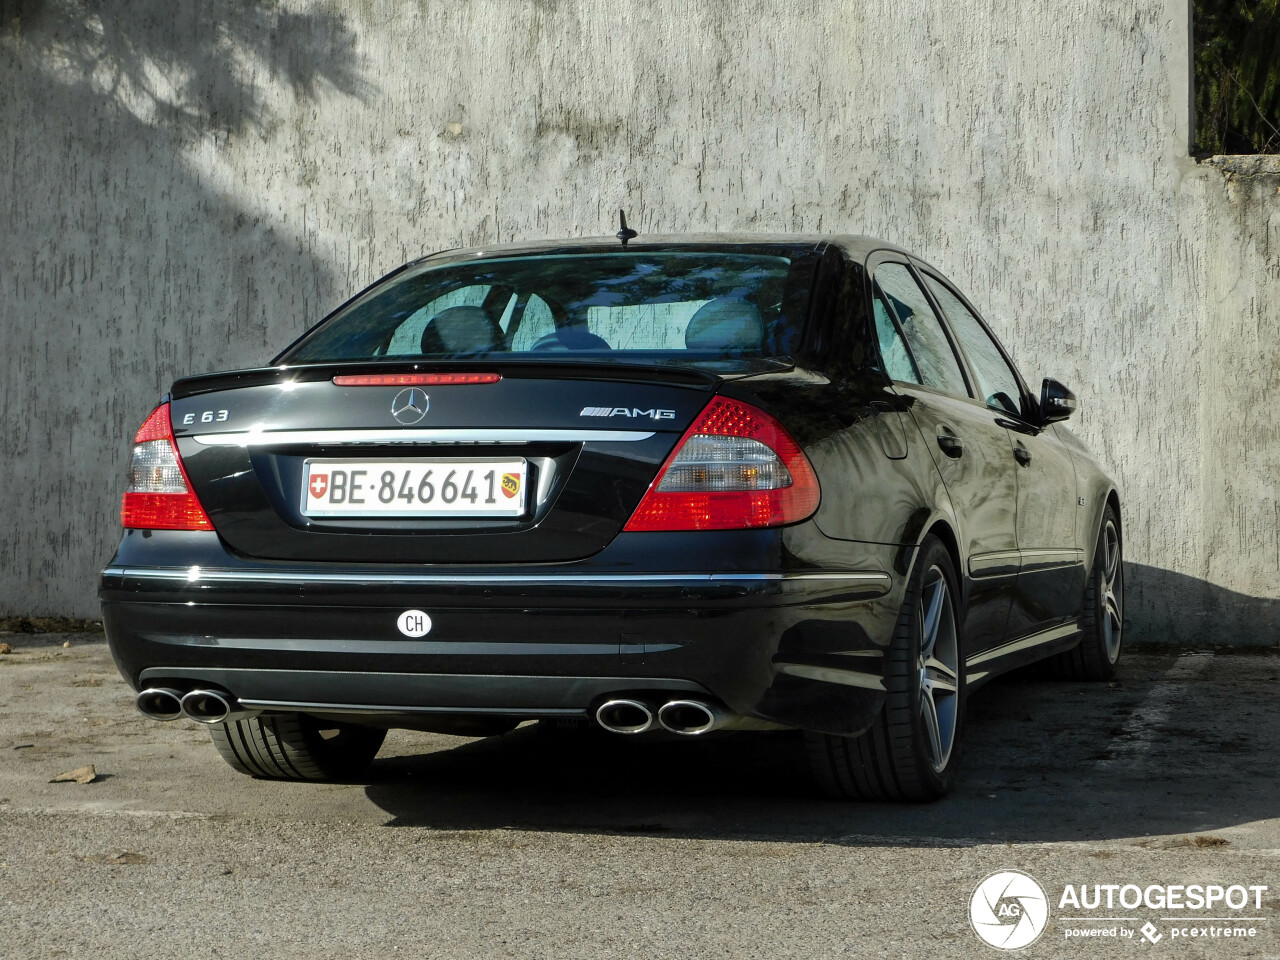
(582, 441)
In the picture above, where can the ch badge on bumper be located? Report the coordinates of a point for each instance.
(414, 623)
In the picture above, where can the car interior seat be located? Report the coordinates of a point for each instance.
(725, 324)
(460, 331)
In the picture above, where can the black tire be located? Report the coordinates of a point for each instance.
(893, 760)
(1102, 616)
(293, 746)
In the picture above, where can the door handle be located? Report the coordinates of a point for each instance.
(1022, 454)
(950, 444)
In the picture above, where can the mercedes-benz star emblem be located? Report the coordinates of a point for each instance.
(410, 406)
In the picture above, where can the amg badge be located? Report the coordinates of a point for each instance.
(627, 412)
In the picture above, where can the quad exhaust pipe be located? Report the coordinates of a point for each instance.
(625, 716)
(686, 718)
(159, 703)
(622, 715)
(691, 718)
(202, 706)
(214, 706)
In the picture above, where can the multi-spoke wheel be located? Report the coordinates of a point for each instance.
(911, 751)
(938, 667)
(1102, 616)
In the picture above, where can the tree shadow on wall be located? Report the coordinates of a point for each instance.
(186, 66)
(140, 243)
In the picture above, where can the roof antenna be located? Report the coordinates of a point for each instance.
(626, 233)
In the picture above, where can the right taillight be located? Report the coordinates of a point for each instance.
(159, 495)
(735, 468)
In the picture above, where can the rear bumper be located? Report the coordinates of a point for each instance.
(802, 649)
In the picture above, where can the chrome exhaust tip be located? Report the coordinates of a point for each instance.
(214, 706)
(159, 703)
(625, 716)
(690, 718)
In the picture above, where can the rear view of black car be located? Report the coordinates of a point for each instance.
(670, 487)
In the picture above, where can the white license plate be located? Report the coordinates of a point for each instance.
(414, 488)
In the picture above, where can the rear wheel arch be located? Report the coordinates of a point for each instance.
(1095, 655)
(940, 528)
(1110, 500)
(944, 532)
(1113, 501)
(902, 756)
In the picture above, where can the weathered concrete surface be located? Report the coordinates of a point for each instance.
(188, 188)
(530, 846)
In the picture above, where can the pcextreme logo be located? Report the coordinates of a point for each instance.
(1009, 910)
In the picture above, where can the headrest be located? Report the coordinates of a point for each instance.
(460, 330)
(725, 324)
(572, 338)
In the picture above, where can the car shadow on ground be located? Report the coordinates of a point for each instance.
(1178, 744)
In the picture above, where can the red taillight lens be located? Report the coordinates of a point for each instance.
(735, 468)
(159, 495)
(414, 379)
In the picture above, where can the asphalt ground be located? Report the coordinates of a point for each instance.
(563, 846)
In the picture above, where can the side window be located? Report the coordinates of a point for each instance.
(997, 383)
(897, 358)
(935, 359)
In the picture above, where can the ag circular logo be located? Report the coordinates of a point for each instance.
(414, 623)
(410, 406)
(1009, 910)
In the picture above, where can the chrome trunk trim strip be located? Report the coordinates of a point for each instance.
(878, 582)
(275, 438)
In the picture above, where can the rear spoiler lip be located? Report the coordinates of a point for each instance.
(679, 376)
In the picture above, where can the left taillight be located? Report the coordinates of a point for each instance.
(735, 468)
(159, 494)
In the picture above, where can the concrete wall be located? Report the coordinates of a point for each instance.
(187, 191)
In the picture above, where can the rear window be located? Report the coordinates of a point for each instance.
(625, 306)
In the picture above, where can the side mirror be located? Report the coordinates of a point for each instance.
(1057, 402)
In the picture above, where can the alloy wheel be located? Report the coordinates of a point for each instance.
(1112, 596)
(938, 667)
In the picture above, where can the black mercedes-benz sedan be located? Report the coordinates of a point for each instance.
(664, 487)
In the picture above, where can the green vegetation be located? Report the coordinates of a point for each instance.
(1237, 76)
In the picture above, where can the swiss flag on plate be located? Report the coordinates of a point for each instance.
(319, 484)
